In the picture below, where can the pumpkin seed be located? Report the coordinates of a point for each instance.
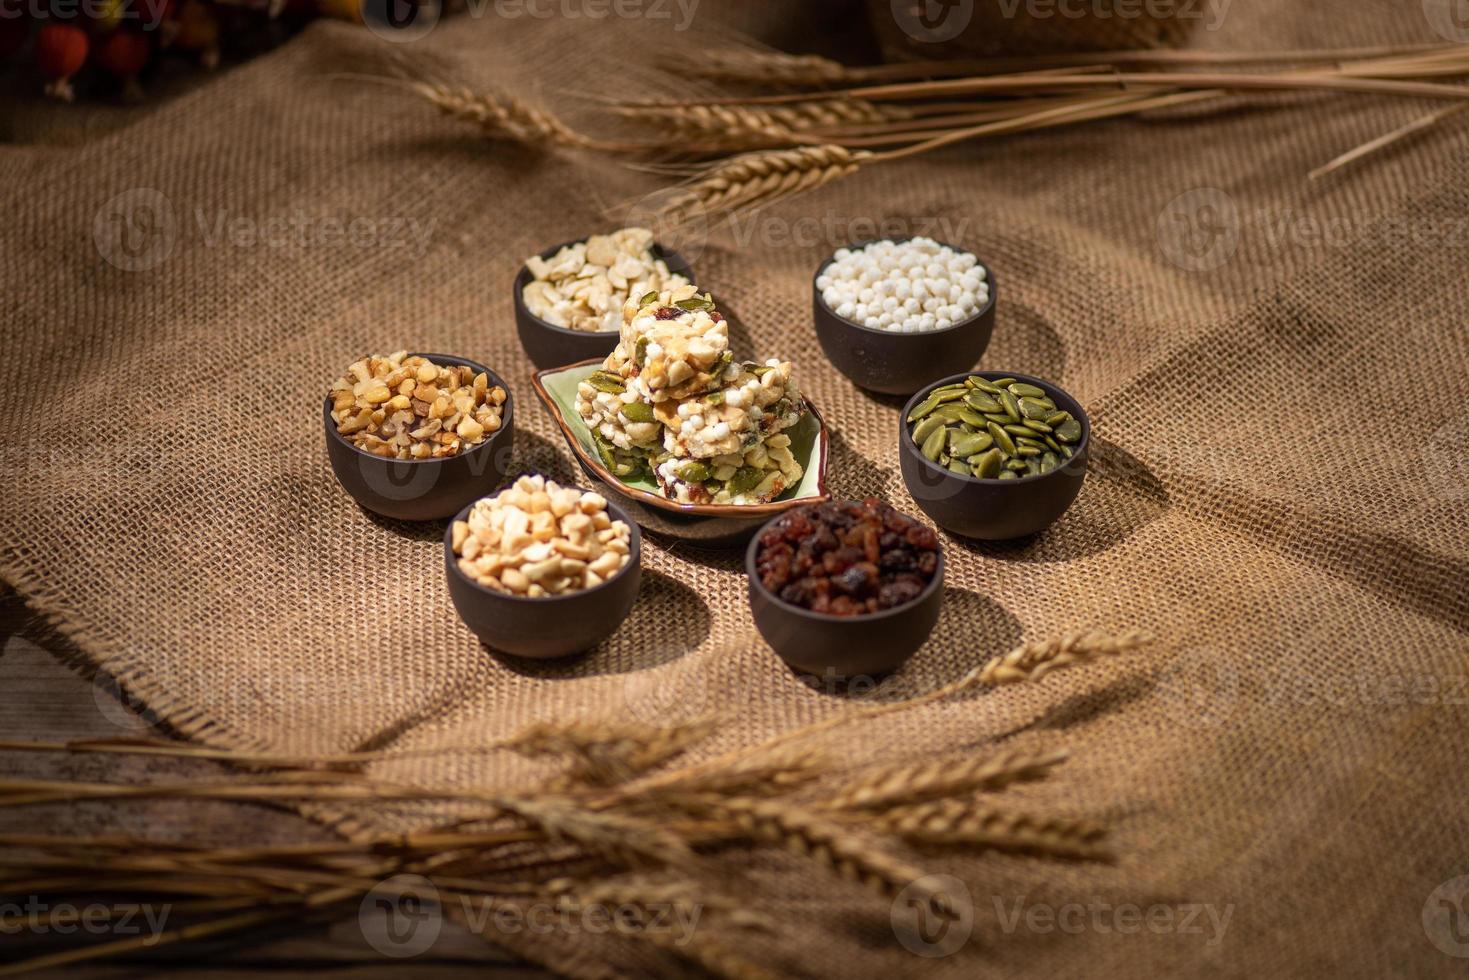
(987, 465)
(610, 384)
(715, 398)
(746, 478)
(923, 408)
(695, 303)
(922, 429)
(1004, 429)
(981, 402)
(693, 472)
(1033, 409)
(1069, 431)
(934, 444)
(1002, 439)
(638, 412)
(969, 443)
(648, 298)
(1012, 407)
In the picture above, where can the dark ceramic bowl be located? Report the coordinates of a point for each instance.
(843, 646)
(900, 363)
(548, 345)
(549, 626)
(424, 489)
(703, 525)
(993, 510)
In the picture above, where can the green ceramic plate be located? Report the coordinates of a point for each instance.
(557, 389)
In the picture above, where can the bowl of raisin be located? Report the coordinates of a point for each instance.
(845, 587)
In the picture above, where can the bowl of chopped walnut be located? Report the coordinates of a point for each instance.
(416, 437)
(569, 298)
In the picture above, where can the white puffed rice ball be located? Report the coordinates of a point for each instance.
(906, 287)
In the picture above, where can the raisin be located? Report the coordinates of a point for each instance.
(847, 558)
(668, 313)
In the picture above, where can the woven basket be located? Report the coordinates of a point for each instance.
(909, 29)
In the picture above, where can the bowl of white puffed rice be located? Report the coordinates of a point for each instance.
(893, 315)
(569, 298)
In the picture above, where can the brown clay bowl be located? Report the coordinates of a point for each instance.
(899, 363)
(548, 345)
(424, 489)
(843, 647)
(548, 626)
(993, 510)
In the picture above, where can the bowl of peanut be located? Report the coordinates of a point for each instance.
(542, 570)
(416, 437)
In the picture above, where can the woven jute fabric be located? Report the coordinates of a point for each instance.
(1278, 372)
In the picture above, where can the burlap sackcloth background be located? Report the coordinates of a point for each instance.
(1278, 489)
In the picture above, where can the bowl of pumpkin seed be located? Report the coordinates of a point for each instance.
(993, 455)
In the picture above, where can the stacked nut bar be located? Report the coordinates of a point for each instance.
(672, 401)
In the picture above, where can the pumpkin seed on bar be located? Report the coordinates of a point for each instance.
(638, 412)
(693, 472)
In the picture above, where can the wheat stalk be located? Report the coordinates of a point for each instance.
(501, 116)
(978, 823)
(825, 842)
(756, 179)
(607, 752)
(1035, 660)
(906, 784)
